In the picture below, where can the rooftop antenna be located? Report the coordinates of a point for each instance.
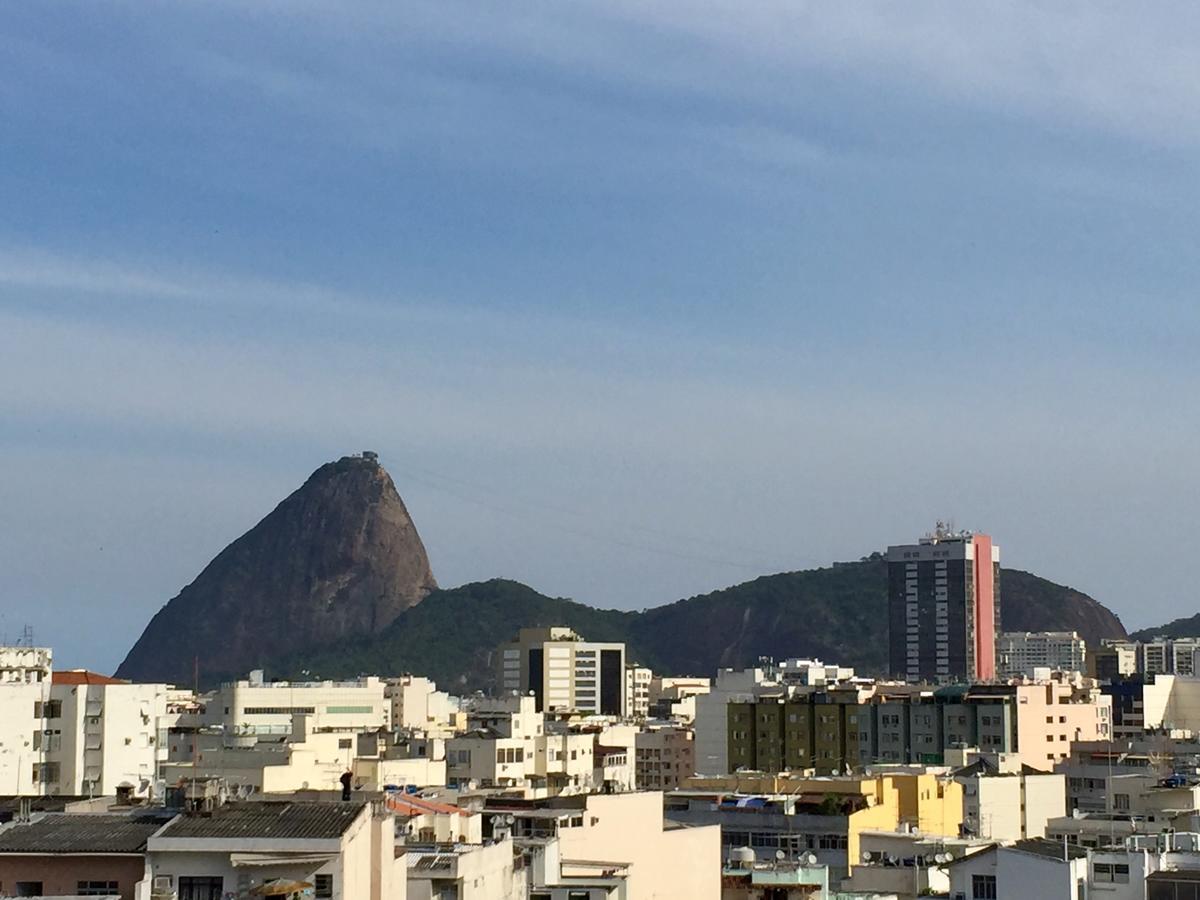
(26, 639)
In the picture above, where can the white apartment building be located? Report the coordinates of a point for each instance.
(712, 736)
(565, 672)
(417, 704)
(1019, 653)
(259, 707)
(675, 698)
(101, 735)
(813, 672)
(25, 674)
(507, 746)
(1003, 801)
(637, 690)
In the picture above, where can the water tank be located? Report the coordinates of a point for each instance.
(743, 857)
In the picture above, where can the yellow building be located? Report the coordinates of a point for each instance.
(923, 802)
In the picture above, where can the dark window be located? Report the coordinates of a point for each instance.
(323, 884)
(536, 669)
(612, 682)
(97, 888)
(29, 889)
(200, 887)
(579, 895)
(983, 887)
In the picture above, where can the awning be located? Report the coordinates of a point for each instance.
(279, 859)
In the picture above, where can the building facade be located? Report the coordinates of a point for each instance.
(25, 674)
(664, 757)
(637, 690)
(1021, 653)
(565, 672)
(851, 726)
(259, 707)
(944, 607)
(103, 735)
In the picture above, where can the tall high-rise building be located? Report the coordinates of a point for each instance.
(944, 607)
(565, 672)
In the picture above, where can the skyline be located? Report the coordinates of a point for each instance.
(633, 303)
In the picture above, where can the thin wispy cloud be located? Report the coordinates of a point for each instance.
(787, 275)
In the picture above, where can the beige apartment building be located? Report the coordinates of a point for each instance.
(664, 758)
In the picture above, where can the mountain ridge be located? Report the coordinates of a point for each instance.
(335, 582)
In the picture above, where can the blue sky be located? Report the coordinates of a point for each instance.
(634, 300)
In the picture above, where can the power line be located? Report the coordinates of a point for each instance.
(425, 479)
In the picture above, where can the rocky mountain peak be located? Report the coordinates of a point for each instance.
(338, 558)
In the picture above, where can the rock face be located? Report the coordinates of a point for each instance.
(339, 558)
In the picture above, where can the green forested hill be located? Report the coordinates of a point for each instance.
(836, 613)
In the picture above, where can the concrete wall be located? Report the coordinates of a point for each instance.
(664, 864)
(18, 755)
(1026, 875)
(60, 875)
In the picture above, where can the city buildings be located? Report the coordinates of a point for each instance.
(417, 705)
(665, 757)
(610, 845)
(1004, 800)
(1161, 656)
(77, 854)
(944, 607)
(344, 851)
(259, 707)
(1024, 653)
(24, 701)
(825, 817)
(752, 722)
(637, 691)
(102, 735)
(565, 672)
(507, 745)
(675, 698)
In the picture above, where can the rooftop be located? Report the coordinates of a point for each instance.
(284, 820)
(1050, 849)
(83, 676)
(81, 833)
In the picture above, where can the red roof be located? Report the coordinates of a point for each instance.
(83, 676)
(411, 805)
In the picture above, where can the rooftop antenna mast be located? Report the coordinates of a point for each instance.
(26, 639)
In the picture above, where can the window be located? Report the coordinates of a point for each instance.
(29, 889)
(200, 887)
(1121, 801)
(345, 743)
(97, 888)
(323, 884)
(983, 887)
(579, 895)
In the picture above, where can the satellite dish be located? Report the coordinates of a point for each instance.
(811, 859)
(893, 859)
(866, 856)
(780, 855)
